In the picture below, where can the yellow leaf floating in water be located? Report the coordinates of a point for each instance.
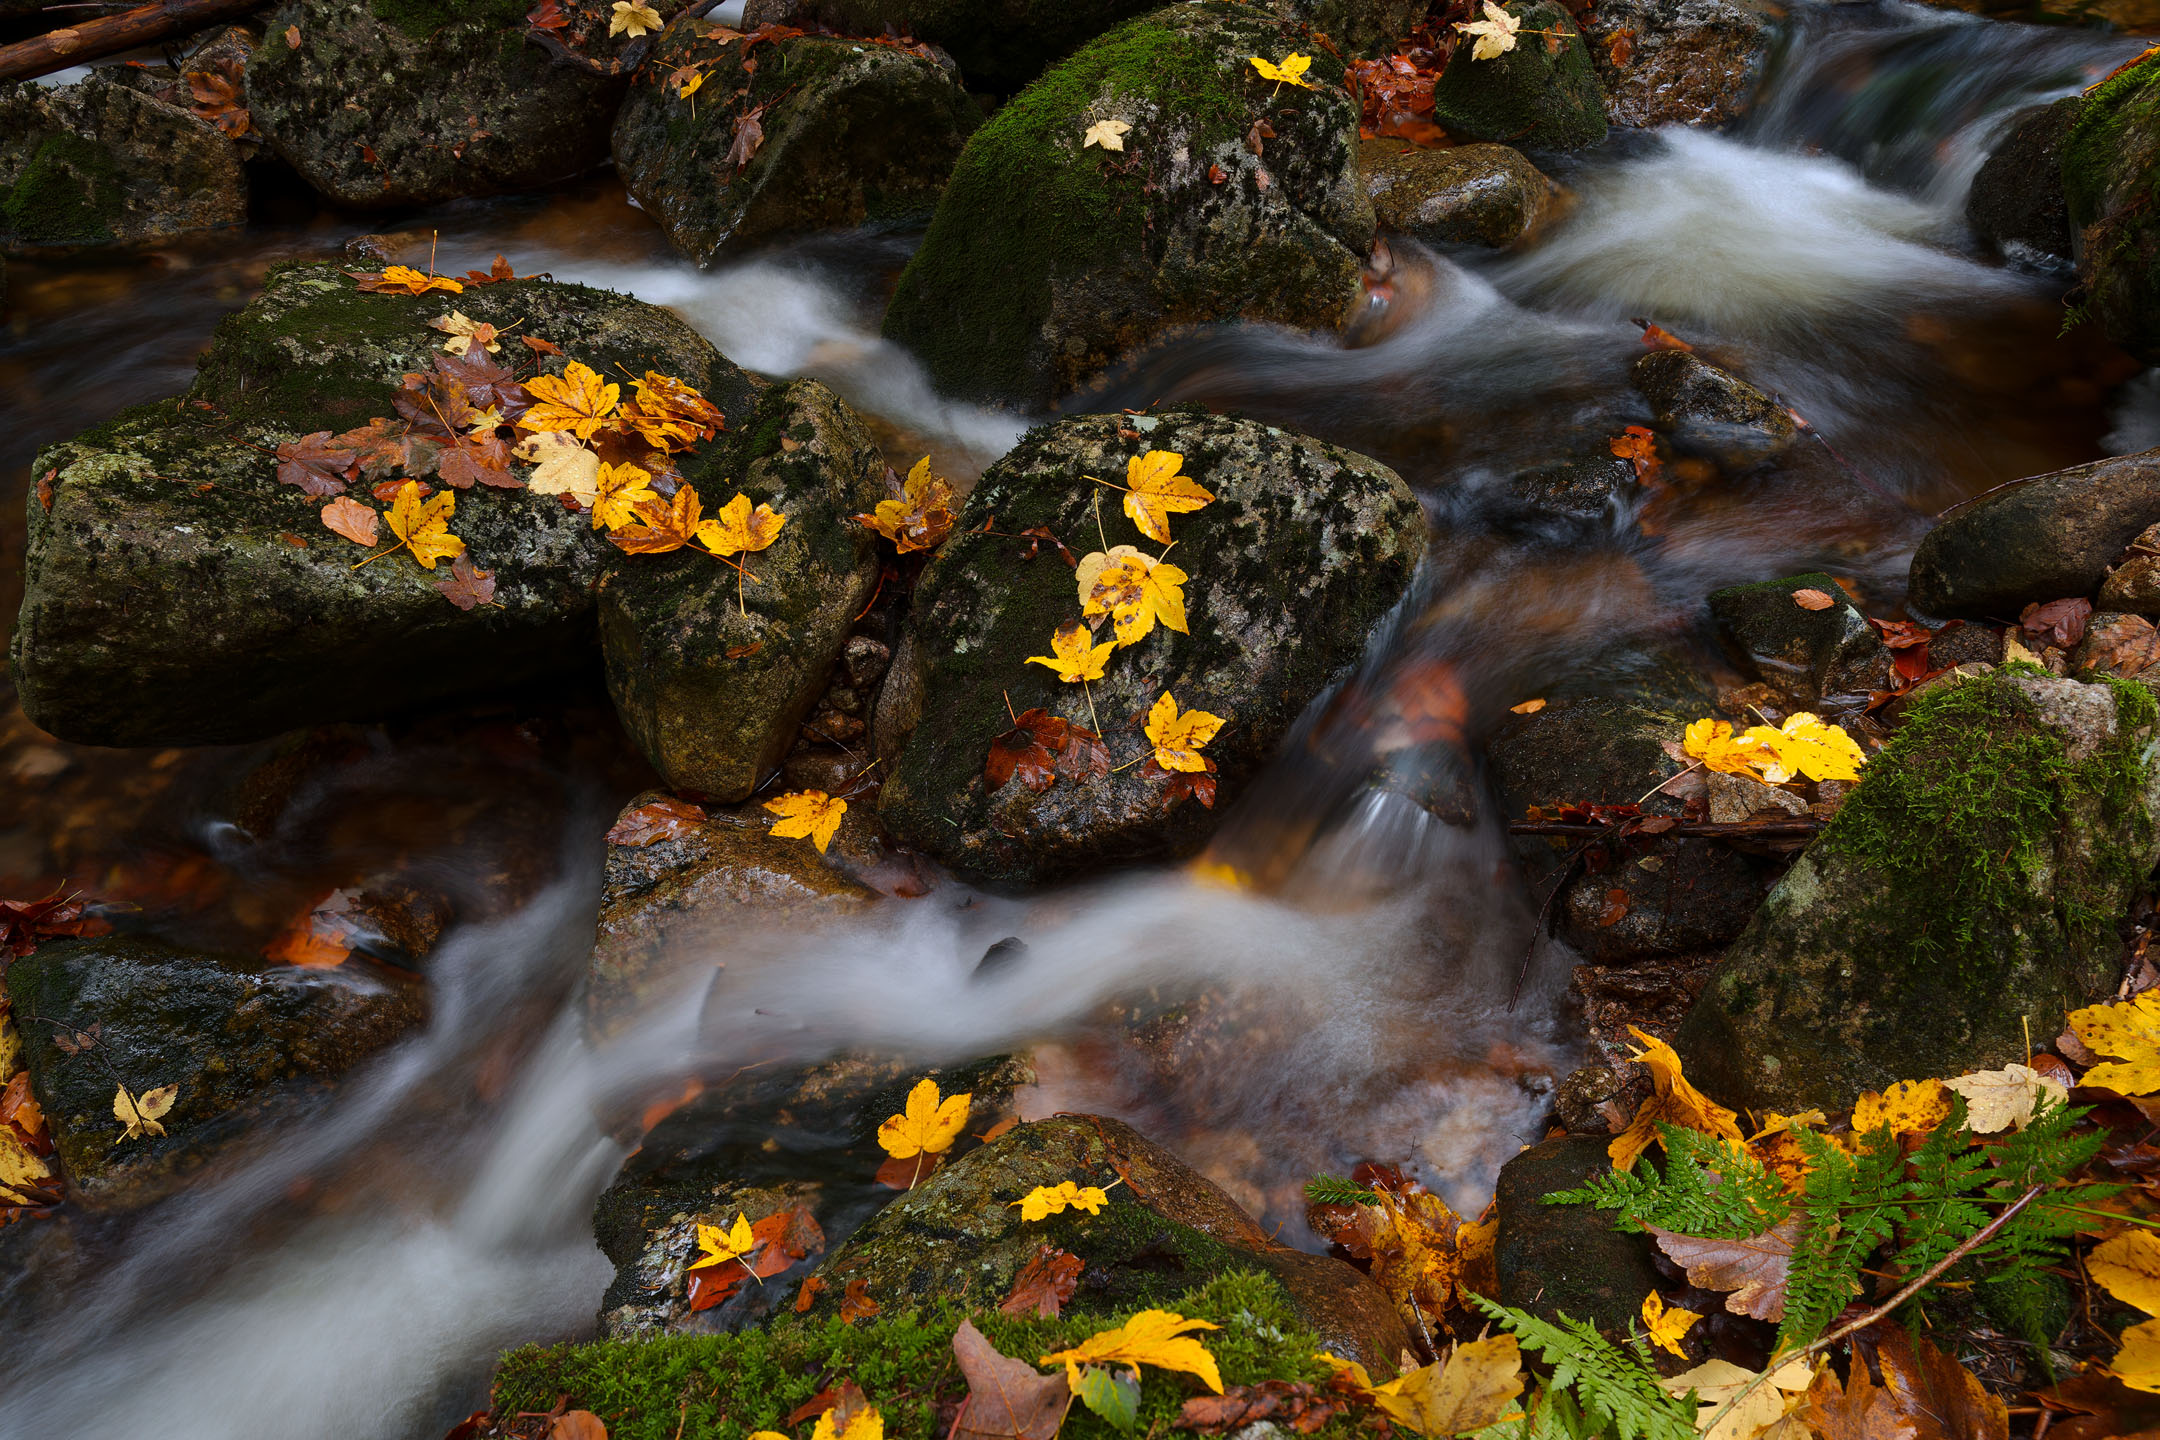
(928, 1126)
(1152, 1337)
(1673, 1101)
(1666, 1323)
(1071, 655)
(1155, 491)
(808, 814)
(1179, 738)
(141, 1113)
(2130, 1032)
(1134, 590)
(920, 517)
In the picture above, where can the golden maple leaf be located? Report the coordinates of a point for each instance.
(1672, 1100)
(928, 1126)
(403, 278)
(2129, 1031)
(2137, 1363)
(1110, 134)
(1179, 738)
(617, 492)
(864, 1424)
(2128, 1267)
(1714, 744)
(1155, 491)
(1134, 590)
(737, 529)
(810, 814)
(1152, 1337)
(1495, 33)
(1071, 655)
(920, 517)
(1910, 1107)
(1666, 1324)
(1290, 72)
(1467, 1391)
(659, 394)
(719, 1246)
(422, 526)
(1804, 745)
(1047, 1200)
(577, 401)
(565, 466)
(141, 1113)
(466, 332)
(634, 18)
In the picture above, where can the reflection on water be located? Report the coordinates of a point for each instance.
(358, 1273)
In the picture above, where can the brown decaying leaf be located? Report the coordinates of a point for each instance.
(467, 586)
(1856, 1410)
(1943, 1399)
(315, 465)
(2062, 621)
(1007, 1399)
(856, 1303)
(1290, 1403)
(23, 923)
(1029, 750)
(748, 136)
(45, 490)
(1812, 599)
(805, 1297)
(1044, 1284)
(1754, 1270)
(577, 1425)
(539, 346)
(666, 818)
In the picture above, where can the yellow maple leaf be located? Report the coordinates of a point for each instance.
(1290, 72)
(21, 1168)
(141, 1113)
(617, 492)
(719, 1246)
(1155, 491)
(1673, 1101)
(928, 1126)
(1910, 1107)
(1179, 738)
(577, 401)
(1152, 1337)
(663, 525)
(1495, 33)
(422, 526)
(1468, 1391)
(2128, 1266)
(1418, 1251)
(1713, 743)
(565, 466)
(2005, 1099)
(736, 529)
(1071, 655)
(920, 517)
(808, 814)
(634, 18)
(1666, 1324)
(2137, 1363)
(1110, 134)
(405, 278)
(1806, 746)
(687, 85)
(864, 1424)
(1134, 590)
(1047, 1200)
(2129, 1031)
(1716, 1382)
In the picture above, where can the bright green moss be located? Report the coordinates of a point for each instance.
(69, 194)
(722, 1387)
(2094, 146)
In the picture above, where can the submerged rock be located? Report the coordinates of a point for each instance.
(2046, 538)
(244, 1042)
(1969, 885)
(1568, 1259)
(1095, 252)
(1531, 96)
(1164, 1229)
(1463, 195)
(2109, 166)
(2016, 202)
(711, 672)
(1678, 62)
(1808, 656)
(177, 594)
(101, 163)
(1305, 548)
(853, 134)
(1711, 411)
(386, 103)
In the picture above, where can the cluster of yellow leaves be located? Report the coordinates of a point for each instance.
(1152, 1337)
(141, 1113)
(1802, 746)
(579, 419)
(1768, 1406)
(1424, 1256)
(928, 1126)
(1673, 1101)
(404, 280)
(920, 516)
(1046, 1200)
(808, 814)
(1471, 1388)
(23, 1171)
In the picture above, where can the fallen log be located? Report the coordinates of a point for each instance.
(112, 34)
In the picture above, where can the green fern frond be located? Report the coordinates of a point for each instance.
(1616, 1389)
(1709, 1189)
(1334, 1190)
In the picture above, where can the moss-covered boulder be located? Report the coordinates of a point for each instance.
(101, 163)
(2110, 165)
(854, 134)
(1808, 655)
(1049, 258)
(1165, 1228)
(1532, 96)
(244, 1042)
(1463, 195)
(1304, 549)
(2046, 538)
(712, 668)
(386, 103)
(177, 594)
(1567, 1259)
(1969, 887)
(1683, 62)
(2016, 202)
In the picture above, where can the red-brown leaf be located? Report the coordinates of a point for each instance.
(349, 518)
(856, 1304)
(467, 586)
(315, 464)
(1044, 1284)
(666, 818)
(1754, 1270)
(2062, 621)
(1028, 750)
(1811, 599)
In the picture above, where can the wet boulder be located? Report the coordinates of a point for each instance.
(101, 163)
(1462, 195)
(1163, 1230)
(1534, 97)
(853, 134)
(2109, 166)
(1808, 656)
(1098, 251)
(1678, 62)
(246, 1043)
(178, 594)
(1567, 1259)
(388, 103)
(1303, 551)
(1709, 411)
(712, 669)
(2046, 538)
(2016, 202)
(1969, 884)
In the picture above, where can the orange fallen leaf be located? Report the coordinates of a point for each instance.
(1812, 599)
(856, 1303)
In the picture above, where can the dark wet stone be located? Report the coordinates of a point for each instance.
(1462, 195)
(1710, 411)
(2016, 202)
(1809, 656)
(1688, 62)
(245, 1042)
(2047, 538)
(1965, 644)
(1683, 895)
(101, 163)
(1530, 96)
(1304, 550)
(1567, 1259)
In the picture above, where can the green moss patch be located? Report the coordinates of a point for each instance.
(69, 194)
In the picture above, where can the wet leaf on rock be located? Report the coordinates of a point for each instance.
(664, 819)
(1044, 1284)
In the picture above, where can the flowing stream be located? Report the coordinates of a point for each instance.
(358, 1273)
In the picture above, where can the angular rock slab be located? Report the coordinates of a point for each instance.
(1969, 884)
(1095, 253)
(167, 602)
(854, 134)
(1304, 550)
(712, 670)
